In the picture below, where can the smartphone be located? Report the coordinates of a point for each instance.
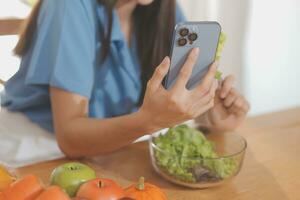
(189, 35)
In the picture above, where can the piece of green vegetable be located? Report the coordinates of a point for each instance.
(221, 44)
(218, 76)
(184, 149)
(31, 2)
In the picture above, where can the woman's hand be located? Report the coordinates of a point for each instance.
(229, 111)
(79, 135)
(166, 108)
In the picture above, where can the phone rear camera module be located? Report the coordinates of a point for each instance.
(182, 42)
(183, 32)
(193, 37)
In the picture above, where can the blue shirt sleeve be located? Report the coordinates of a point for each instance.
(63, 52)
(179, 17)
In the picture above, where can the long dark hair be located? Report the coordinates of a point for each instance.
(153, 26)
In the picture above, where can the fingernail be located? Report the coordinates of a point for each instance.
(165, 60)
(222, 95)
(196, 51)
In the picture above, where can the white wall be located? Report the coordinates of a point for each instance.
(9, 63)
(273, 51)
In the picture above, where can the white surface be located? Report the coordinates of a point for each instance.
(273, 64)
(13, 9)
(9, 64)
(23, 143)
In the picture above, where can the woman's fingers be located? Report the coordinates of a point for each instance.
(236, 103)
(159, 74)
(243, 105)
(204, 108)
(208, 80)
(240, 106)
(230, 98)
(226, 86)
(246, 105)
(186, 70)
(208, 98)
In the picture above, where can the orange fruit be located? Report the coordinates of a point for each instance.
(5, 178)
(100, 189)
(143, 190)
(27, 188)
(53, 193)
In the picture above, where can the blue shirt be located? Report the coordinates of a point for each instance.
(66, 54)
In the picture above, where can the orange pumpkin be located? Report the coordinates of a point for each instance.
(27, 188)
(100, 189)
(78, 198)
(145, 191)
(53, 193)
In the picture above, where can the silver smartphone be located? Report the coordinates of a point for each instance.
(189, 35)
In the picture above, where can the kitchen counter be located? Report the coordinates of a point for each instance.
(271, 168)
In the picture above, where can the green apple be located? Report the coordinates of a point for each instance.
(70, 176)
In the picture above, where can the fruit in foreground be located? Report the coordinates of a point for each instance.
(70, 176)
(53, 193)
(145, 191)
(101, 189)
(5, 178)
(78, 198)
(27, 188)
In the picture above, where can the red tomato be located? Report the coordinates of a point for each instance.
(101, 189)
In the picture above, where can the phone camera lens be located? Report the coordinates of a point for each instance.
(184, 32)
(182, 42)
(193, 36)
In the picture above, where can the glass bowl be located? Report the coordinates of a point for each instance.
(198, 171)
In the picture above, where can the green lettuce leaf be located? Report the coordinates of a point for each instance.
(221, 44)
(182, 147)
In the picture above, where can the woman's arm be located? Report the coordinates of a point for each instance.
(78, 135)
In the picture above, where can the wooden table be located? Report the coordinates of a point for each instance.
(271, 169)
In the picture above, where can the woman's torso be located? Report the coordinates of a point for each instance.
(65, 54)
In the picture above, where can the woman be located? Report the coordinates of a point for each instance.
(85, 70)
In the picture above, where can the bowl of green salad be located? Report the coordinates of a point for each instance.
(186, 156)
